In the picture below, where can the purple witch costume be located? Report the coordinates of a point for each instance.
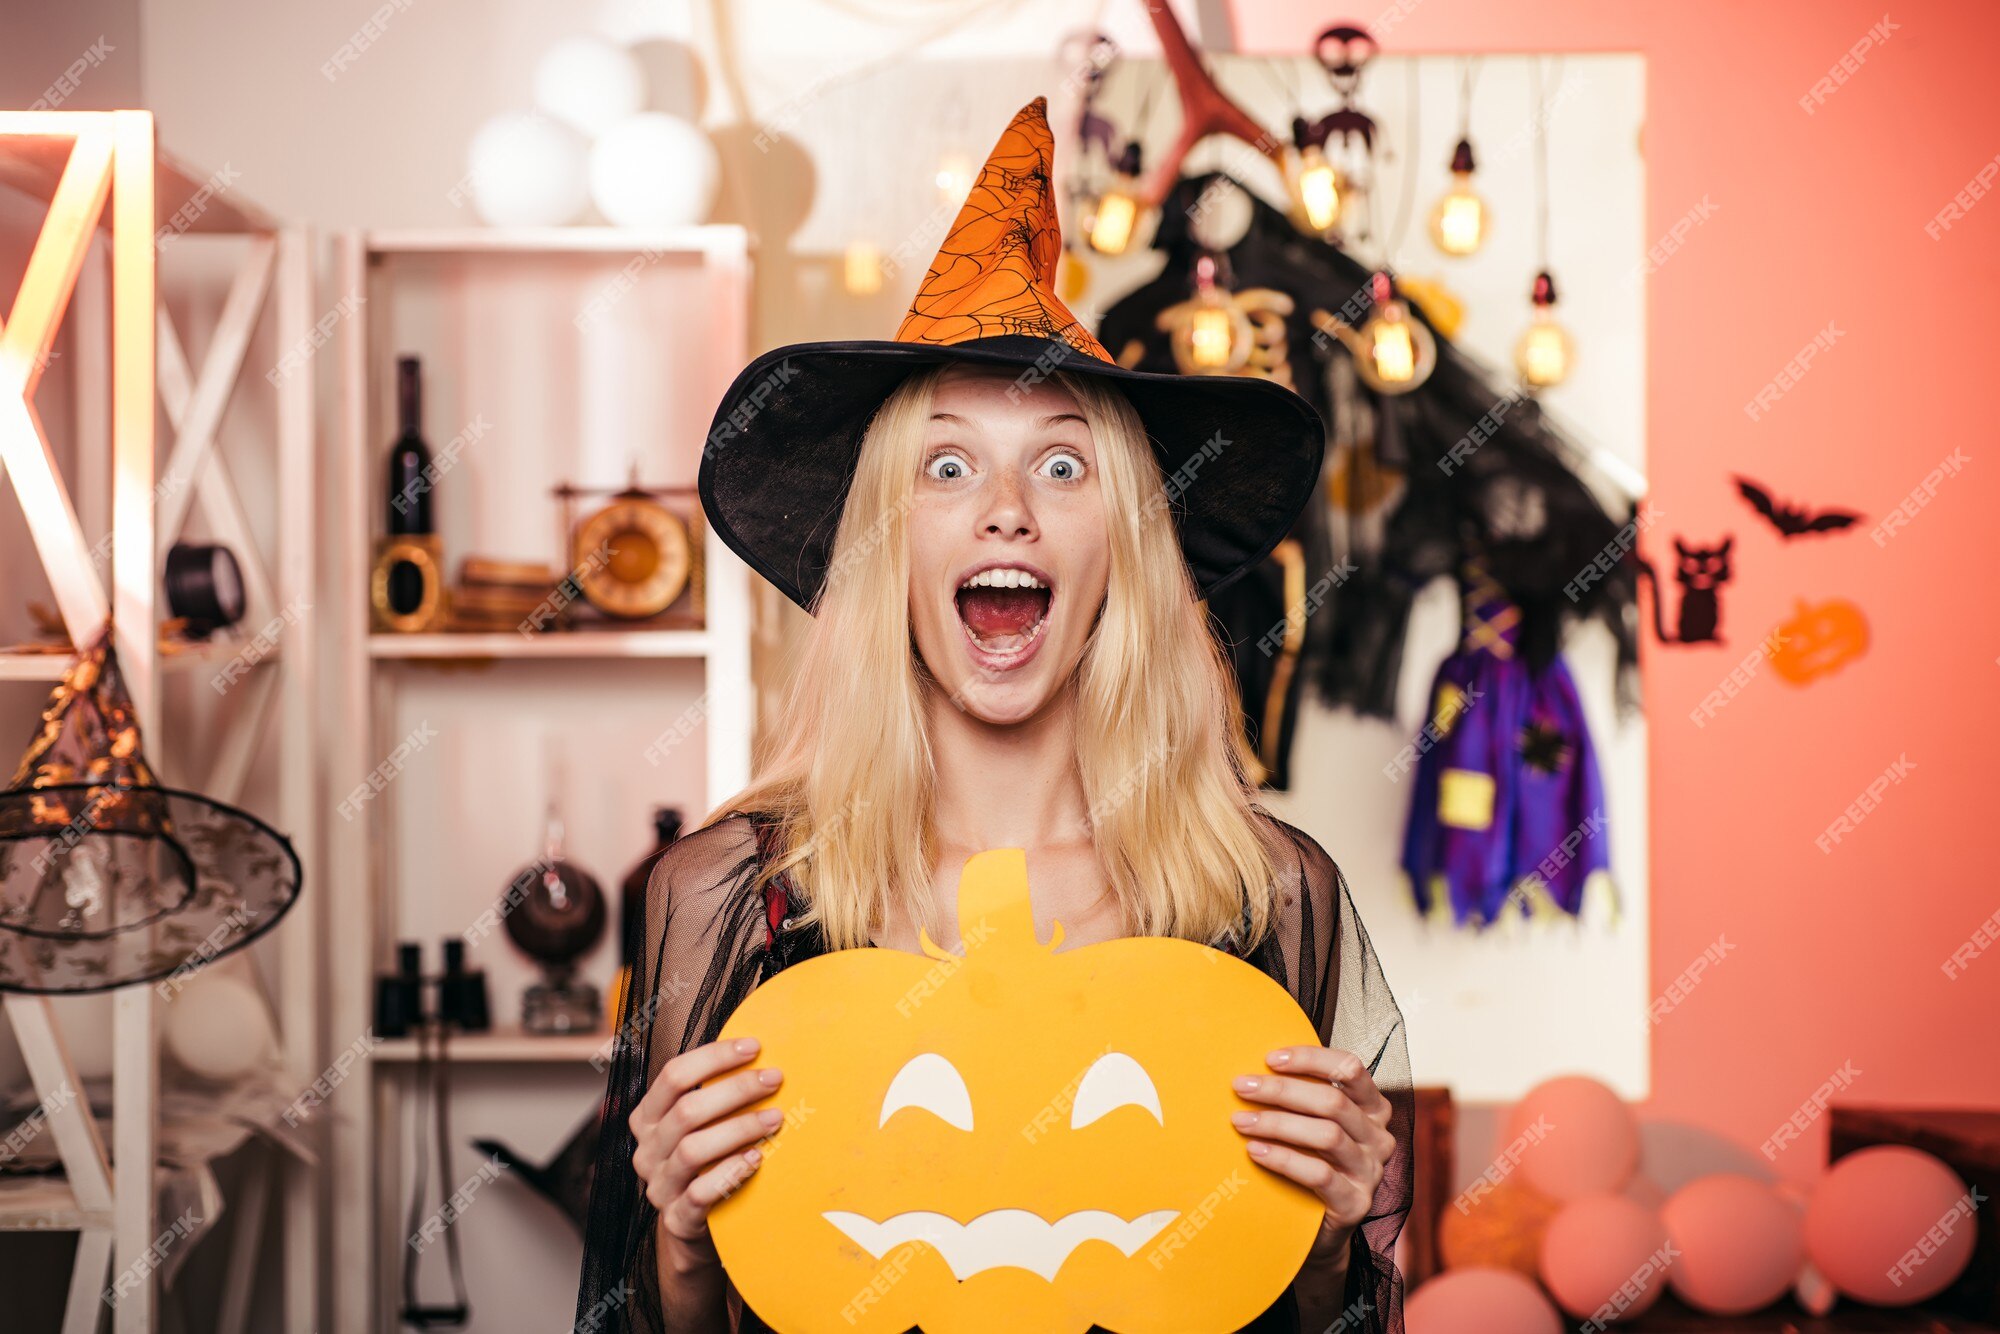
(1509, 804)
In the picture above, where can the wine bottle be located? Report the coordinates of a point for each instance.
(410, 474)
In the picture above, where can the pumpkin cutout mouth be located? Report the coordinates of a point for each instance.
(1004, 607)
(1003, 1238)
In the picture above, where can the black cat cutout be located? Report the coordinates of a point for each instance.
(1701, 573)
(1790, 520)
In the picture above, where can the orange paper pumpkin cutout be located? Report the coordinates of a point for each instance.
(1018, 1138)
(996, 271)
(1819, 640)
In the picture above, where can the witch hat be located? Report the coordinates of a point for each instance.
(107, 878)
(1242, 454)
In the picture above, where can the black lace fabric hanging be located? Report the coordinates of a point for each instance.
(712, 930)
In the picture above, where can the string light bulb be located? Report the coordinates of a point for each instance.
(1215, 337)
(1115, 217)
(1319, 190)
(1393, 351)
(1545, 353)
(862, 270)
(1460, 220)
(954, 177)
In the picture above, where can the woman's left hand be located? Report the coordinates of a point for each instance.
(1325, 1125)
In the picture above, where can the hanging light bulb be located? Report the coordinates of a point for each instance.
(1116, 215)
(1393, 351)
(862, 271)
(1460, 220)
(1211, 335)
(1319, 190)
(1546, 351)
(954, 177)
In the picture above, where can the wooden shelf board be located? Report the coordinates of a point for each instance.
(44, 1204)
(712, 239)
(33, 164)
(507, 1046)
(554, 645)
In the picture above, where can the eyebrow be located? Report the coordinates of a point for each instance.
(1053, 419)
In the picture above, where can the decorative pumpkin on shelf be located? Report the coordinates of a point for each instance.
(1820, 640)
(1050, 1128)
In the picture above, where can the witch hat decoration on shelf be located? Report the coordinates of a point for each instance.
(108, 878)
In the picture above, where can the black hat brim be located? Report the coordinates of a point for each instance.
(1241, 455)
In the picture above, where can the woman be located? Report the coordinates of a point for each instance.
(1008, 651)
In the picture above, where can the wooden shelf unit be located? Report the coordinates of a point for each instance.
(377, 669)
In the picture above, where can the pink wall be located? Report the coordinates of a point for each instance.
(1836, 958)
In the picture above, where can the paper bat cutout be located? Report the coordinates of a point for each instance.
(1789, 520)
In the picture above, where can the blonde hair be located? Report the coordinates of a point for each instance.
(1159, 748)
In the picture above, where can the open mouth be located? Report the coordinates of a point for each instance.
(1004, 1238)
(1004, 609)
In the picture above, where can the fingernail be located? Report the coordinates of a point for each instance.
(772, 1117)
(1245, 1084)
(1260, 1149)
(753, 1157)
(770, 1078)
(746, 1046)
(1245, 1119)
(1280, 1058)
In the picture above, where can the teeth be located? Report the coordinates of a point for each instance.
(1032, 636)
(1003, 577)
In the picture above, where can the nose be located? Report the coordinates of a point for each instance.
(1007, 514)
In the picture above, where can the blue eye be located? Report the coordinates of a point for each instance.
(1064, 467)
(946, 467)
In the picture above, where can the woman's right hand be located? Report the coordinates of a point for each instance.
(696, 1145)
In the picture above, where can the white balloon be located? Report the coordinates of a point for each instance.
(527, 171)
(654, 170)
(589, 84)
(218, 1027)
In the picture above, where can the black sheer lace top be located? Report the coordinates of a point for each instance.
(711, 934)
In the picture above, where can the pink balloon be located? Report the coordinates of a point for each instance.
(1603, 1257)
(1741, 1243)
(1573, 1136)
(1480, 1301)
(1890, 1225)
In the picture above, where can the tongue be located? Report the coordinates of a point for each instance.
(994, 612)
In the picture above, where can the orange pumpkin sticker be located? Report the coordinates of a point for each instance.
(1016, 1138)
(1820, 639)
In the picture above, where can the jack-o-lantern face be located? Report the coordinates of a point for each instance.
(1820, 639)
(1017, 1139)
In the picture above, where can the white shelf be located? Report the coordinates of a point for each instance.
(44, 1204)
(714, 239)
(505, 1046)
(555, 644)
(16, 665)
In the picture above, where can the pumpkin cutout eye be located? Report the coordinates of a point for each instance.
(1114, 1080)
(933, 1083)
